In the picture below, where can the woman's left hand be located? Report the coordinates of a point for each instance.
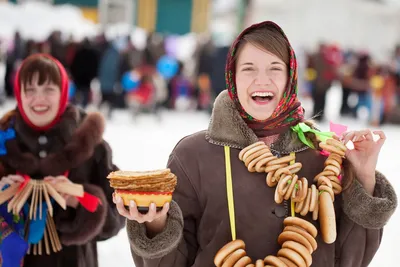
(364, 156)
(71, 201)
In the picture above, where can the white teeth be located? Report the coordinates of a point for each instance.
(262, 94)
(40, 108)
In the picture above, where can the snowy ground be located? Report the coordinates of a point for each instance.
(146, 144)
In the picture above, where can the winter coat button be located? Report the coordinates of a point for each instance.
(280, 211)
(42, 154)
(42, 140)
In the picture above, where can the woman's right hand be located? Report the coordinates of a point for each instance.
(154, 221)
(11, 179)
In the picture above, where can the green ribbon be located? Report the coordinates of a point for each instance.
(302, 128)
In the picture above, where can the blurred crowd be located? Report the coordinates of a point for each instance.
(366, 85)
(114, 73)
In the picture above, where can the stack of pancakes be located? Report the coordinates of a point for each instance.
(144, 187)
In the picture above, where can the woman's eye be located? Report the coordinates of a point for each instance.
(247, 69)
(276, 69)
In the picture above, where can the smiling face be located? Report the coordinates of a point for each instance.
(261, 79)
(40, 101)
(40, 90)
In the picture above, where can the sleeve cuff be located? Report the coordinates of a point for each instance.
(163, 243)
(371, 212)
(83, 226)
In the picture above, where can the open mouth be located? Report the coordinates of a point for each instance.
(262, 97)
(40, 109)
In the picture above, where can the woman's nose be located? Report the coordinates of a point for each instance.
(262, 79)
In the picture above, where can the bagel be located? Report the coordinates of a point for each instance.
(315, 212)
(244, 261)
(262, 163)
(252, 161)
(282, 160)
(332, 168)
(234, 257)
(327, 189)
(278, 197)
(327, 218)
(274, 261)
(336, 188)
(336, 157)
(293, 236)
(297, 192)
(259, 263)
(289, 263)
(295, 168)
(314, 197)
(309, 227)
(334, 179)
(244, 150)
(280, 172)
(226, 250)
(291, 187)
(332, 149)
(306, 206)
(284, 185)
(305, 234)
(337, 144)
(323, 173)
(333, 162)
(273, 168)
(323, 180)
(293, 256)
(270, 181)
(300, 249)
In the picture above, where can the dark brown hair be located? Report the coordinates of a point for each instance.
(267, 38)
(46, 68)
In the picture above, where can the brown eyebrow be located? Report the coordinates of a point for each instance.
(277, 63)
(246, 63)
(273, 63)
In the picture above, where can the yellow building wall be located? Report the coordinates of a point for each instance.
(200, 15)
(91, 14)
(146, 12)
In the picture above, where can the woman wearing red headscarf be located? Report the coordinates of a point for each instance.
(257, 187)
(45, 138)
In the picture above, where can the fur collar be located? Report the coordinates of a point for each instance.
(227, 128)
(75, 138)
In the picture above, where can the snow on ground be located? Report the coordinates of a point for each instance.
(146, 144)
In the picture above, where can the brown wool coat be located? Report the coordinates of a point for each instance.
(74, 144)
(198, 223)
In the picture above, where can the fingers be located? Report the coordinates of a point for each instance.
(134, 214)
(382, 137)
(357, 136)
(121, 208)
(48, 179)
(151, 214)
(61, 178)
(16, 178)
(165, 210)
(57, 179)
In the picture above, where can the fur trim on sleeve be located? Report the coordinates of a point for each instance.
(371, 212)
(163, 243)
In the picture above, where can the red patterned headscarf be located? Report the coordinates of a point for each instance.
(289, 111)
